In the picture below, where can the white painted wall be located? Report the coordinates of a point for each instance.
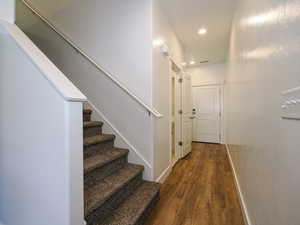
(161, 87)
(41, 163)
(264, 61)
(7, 10)
(208, 74)
(117, 35)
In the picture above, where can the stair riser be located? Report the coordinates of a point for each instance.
(92, 131)
(111, 204)
(92, 150)
(87, 117)
(98, 174)
(143, 219)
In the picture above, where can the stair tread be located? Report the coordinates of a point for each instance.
(102, 158)
(97, 194)
(98, 139)
(92, 124)
(87, 111)
(133, 207)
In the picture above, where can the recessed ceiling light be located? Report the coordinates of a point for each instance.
(202, 31)
(192, 62)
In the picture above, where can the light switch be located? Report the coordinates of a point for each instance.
(290, 106)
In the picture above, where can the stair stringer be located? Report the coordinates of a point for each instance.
(121, 141)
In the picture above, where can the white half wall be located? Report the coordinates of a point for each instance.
(264, 62)
(41, 138)
(7, 10)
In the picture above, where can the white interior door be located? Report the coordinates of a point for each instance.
(207, 112)
(187, 117)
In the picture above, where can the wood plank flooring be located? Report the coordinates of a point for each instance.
(199, 191)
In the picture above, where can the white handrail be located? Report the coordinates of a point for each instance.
(108, 74)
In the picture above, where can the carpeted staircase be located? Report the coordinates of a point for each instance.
(114, 191)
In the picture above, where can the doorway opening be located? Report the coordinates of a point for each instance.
(181, 113)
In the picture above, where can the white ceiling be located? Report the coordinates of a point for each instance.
(187, 16)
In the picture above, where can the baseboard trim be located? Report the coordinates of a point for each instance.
(238, 188)
(161, 179)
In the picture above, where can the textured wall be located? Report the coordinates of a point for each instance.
(263, 62)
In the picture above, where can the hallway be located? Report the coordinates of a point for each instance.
(199, 191)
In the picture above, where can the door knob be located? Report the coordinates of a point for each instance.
(192, 117)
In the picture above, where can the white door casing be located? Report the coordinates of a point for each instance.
(187, 117)
(207, 106)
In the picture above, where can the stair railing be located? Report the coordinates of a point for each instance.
(149, 109)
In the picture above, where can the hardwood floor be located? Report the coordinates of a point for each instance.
(199, 191)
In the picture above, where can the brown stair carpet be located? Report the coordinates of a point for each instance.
(114, 190)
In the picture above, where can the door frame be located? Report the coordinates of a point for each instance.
(222, 117)
(178, 133)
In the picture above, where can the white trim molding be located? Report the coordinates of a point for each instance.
(239, 190)
(161, 179)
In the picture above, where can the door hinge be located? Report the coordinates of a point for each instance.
(180, 112)
(220, 114)
(180, 80)
(180, 143)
